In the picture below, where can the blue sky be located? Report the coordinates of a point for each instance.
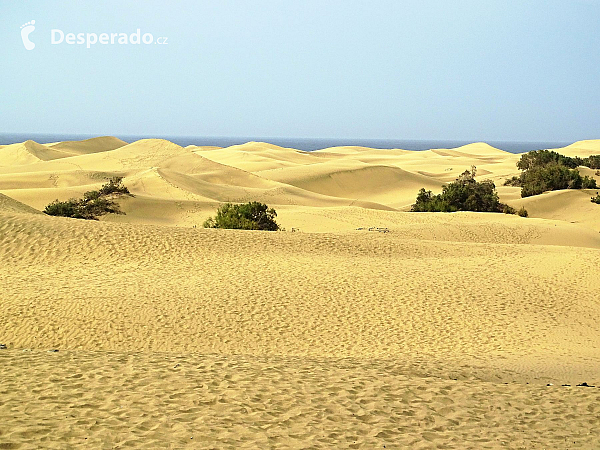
(461, 70)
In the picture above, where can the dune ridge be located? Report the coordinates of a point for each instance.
(92, 145)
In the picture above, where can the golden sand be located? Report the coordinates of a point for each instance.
(448, 331)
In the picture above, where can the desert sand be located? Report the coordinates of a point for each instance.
(451, 330)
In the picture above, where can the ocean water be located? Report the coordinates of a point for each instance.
(306, 144)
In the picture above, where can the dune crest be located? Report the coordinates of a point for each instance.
(28, 152)
(93, 145)
(581, 148)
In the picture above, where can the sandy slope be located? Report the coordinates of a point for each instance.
(93, 145)
(442, 332)
(571, 205)
(9, 205)
(581, 148)
(27, 152)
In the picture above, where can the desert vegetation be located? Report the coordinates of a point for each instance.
(596, 199)
(546, 170)
(540, 158)
(464, 194)
(249, 216)
(93, 204)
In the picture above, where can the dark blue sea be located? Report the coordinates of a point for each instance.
(306, 144)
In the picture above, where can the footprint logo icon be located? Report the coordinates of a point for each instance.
(26, 30)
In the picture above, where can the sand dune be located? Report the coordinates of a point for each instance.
(581, 148)
(571, 205)
(28, 152)
(159, 169)
(379, 178)
(465, 227)
(93, 145)
(447, 331)
(353, 338)
(381, 184)
(256, 156)
(212, 264)
(8, 204)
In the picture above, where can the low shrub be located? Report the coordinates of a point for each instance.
(514, 181)
(522, 212)
(249, 216)
(542, 158)
(70, 208)
(596, 199)
(508, 210)
(593, 162)
(93, 204)
(549, 178)
(588, 183)
(464, 194)
(114, 186)
(546, 170)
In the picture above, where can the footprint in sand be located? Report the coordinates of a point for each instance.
(26, 30)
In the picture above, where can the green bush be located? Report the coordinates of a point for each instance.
(464, 194)
(508, 210)
(546, 170)
(70, 208)
(427, 202)
(549, 178)
(114, 186)
(249, 216)
(514, 181)
(588, 183)
(593, 162)
(522, 212)
(542, 158)
(596, 199)
(93, 204)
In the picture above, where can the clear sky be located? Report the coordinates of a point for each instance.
(464, 70)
